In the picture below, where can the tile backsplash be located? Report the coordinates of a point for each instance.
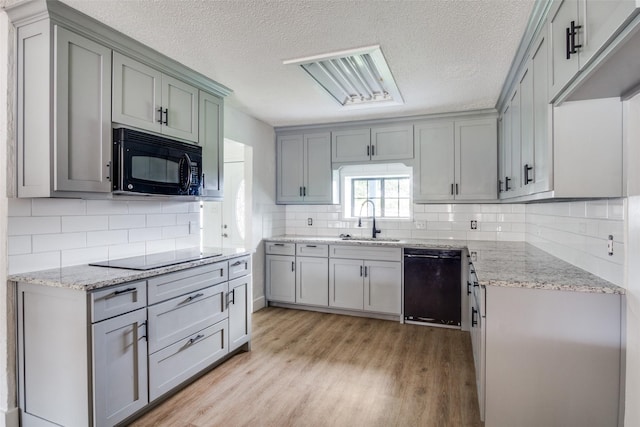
(52, 233)
(577, 232)
(435, 221)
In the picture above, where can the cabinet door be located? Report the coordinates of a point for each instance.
(317, 168)
(137, 94)
(351, 145)
(239, 308)
(505, 153)
(561, 68)
(312, 281)
(382, 283)
(515, 184)
(526, 131)
(541, 113)
(603, 18)
(392, 143)
(281, 278)
(211, 140)
(289, 168)
(434, 173)
(180, 104)
(83, 122)
(119, 367)
(346, 283)
(476, 159)
(34, 103)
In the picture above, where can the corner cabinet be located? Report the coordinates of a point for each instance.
(64, 117)
(211, 139)
(145, 98)
(455, 160)
(303, 168)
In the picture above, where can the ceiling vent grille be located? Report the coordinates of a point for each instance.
(355, 78)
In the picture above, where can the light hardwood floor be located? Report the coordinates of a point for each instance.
(315, 369)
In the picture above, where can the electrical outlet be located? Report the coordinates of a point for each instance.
(420, 225)
(610, 245)
(309, 221)
(474, 224)
(474, 256)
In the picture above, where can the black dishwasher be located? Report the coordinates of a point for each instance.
(432, 290)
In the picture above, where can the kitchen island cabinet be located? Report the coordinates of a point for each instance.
(117, 339)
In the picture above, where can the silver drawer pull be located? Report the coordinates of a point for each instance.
(237, 263)
(192, 297)
(194, 339)
(124, 291)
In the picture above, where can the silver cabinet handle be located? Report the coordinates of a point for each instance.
(192, 297)
(194, 339)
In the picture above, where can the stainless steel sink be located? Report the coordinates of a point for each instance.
(369, 239)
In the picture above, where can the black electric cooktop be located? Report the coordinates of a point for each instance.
(160, 259)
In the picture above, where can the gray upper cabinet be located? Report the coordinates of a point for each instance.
(456, 160)
(352, 145)
(73, 100)
(579, 29)
(476, 146)
(434, 173)
(383, 143)
(83, 124)
(148, 99)
(304, 168)
(211, 139)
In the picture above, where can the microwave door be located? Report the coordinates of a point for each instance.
(153, 170)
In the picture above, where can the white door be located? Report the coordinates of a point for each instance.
(233, 206)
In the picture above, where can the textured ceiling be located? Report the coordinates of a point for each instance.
(445, 55)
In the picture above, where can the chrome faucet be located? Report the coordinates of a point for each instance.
(374, 231)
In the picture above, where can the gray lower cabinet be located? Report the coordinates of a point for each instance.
(96, 358)
(312, 275)
(281, 278)
(119, 367)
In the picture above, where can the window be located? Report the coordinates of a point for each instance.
(390, 195)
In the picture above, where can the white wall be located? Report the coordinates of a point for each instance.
(268, 219)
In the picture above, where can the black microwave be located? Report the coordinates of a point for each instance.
(147, 164)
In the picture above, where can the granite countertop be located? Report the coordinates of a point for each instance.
(504, 264)
(87, 278)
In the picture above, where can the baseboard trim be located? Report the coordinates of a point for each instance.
(10, 418)
(259, 304)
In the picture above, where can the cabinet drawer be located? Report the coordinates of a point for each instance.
(365, 252)
(274, 248)
(115, 301)
(173, 320)
(239, 267)
(308, 249)
(182, 282)
(171, 366)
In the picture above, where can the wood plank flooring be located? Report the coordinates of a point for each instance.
(315, 369)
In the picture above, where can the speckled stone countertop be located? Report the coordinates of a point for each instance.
(505, 264)
(87, 278)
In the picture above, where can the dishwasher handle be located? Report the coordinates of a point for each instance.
(421, 256)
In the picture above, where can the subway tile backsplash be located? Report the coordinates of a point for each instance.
(52, 233)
